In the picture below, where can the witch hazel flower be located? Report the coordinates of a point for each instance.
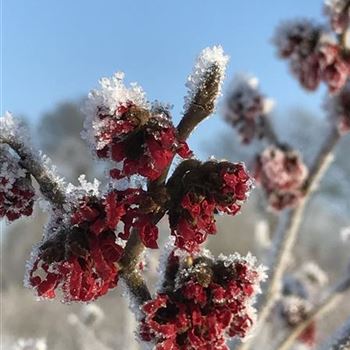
(281, 173)
(338, 12)
(80, 251)
(123, 127)
(338, 108)
(245, 107)
(79, 257)
(312, 54)
(199, 190)
(210, 301)
(16, 191)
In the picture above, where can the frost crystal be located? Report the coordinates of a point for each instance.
(112, 94)
(16, 191)
(208, 58)
(202, 302)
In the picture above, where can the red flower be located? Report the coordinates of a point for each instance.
(282, 174)
(205, 190)
(16, 191)
(80, 277)
(144, 141)
(190, 316)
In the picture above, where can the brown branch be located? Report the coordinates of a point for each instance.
(333, 298)
(50, 189)
(285, 241)
(267, 131)
(202, 106)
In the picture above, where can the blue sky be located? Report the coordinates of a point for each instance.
(57, 50)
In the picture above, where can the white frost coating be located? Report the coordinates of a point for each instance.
(12, 128)
(251, 261)
(30, 344)
(208, 57)
(111, 95)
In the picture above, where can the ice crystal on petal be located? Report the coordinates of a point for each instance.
(211, 299)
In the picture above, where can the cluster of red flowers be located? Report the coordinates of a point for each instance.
(16, 191)
(338, 107)
(212, 299)
(339, 14)
(145, 141)
(82, 259)
(246, 108)
(312, 58)
(282, 173)
(198, 191)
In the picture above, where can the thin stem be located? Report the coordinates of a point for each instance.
(267, 131)
(333, 298)
(285, 241)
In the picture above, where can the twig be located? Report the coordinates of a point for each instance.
(201, 107)
(49, 187)
(333, 298)
(284, 243)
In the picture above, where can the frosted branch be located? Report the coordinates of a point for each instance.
(286, 239)
(13, 133)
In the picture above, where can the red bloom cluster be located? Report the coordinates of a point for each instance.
(82, 259)
(213, 299)
(197, 192)
(16, 191)
(145, 141)
(338, 107)
(312, 59)
(339, 14)
(246, 108)
(281, 173)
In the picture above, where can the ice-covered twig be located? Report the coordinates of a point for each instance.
(332, 299)
(286, 239)
(13, 134)
(129, 269)
(204, 86)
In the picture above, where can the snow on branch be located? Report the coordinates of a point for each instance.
(204, 87)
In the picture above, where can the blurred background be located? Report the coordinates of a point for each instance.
(53, 53)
